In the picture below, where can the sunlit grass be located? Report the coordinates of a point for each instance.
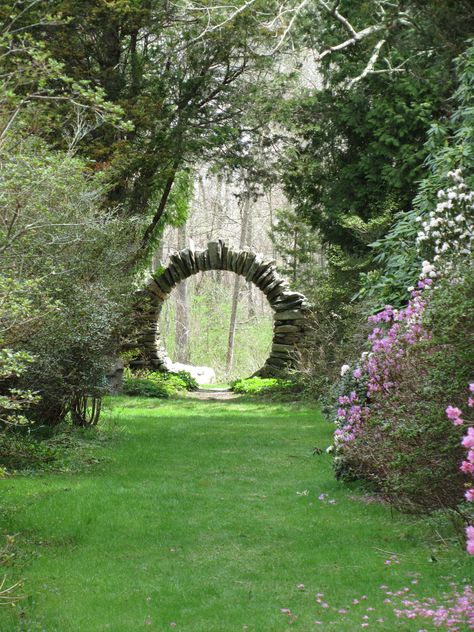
(207, 514)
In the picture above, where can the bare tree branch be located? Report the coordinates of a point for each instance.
(282, 23)
(370, 64)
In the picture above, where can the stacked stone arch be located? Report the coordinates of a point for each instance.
(290, 309)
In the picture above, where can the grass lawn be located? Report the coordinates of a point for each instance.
(204, 516)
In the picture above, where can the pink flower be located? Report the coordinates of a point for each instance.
(468, 440)
(357, 373)
(467, 468)
(470, 495)
(454, 414)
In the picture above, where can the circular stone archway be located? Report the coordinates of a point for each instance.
(290, 308)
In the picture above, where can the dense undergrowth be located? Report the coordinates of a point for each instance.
(264, 386)
(157, 384)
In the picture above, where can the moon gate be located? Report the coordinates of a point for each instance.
(290, 309)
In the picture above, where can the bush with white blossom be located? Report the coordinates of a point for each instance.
(448, 233)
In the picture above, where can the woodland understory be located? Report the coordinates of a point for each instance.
(334, 137)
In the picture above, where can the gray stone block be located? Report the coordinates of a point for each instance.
(163, 285)
(252, 271)
(287, 329)
(224, 256)
(248, 262)
(272, 284)
(282, 348)
(241, 259)
(290, 314)
(199, 256)
(168, 278)
(274, 294)
(156, 290)
(263, 277)
(185, 257)
(214, 250)
(231, 259)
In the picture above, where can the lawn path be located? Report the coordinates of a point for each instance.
(205, 516)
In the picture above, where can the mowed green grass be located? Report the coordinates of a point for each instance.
(203, 516)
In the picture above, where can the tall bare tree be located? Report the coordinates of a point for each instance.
(235, 294)
(182, 309)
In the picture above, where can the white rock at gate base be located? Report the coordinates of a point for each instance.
(202, 374)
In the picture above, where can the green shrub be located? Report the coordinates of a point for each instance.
(143, 387)
(65, 278)
(156, 384)
(256, 385)
(187, 379)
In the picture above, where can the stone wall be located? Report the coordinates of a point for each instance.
(290, 308)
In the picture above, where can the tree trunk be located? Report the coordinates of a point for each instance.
(235, 293)
(295, 257)
(250, 285)
(182, 310)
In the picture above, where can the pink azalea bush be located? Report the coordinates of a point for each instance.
(455, 415)
(391, 422)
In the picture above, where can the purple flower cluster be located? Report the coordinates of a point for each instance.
(467, 466)
(390, 343)
(354, 414)
(395, 331)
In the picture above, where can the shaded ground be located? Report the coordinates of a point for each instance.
(214, 516)
(213, 394)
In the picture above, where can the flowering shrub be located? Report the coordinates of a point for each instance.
(391, 423)
(381, 366)
(448, 232)
(454, 414)
(442, 205)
